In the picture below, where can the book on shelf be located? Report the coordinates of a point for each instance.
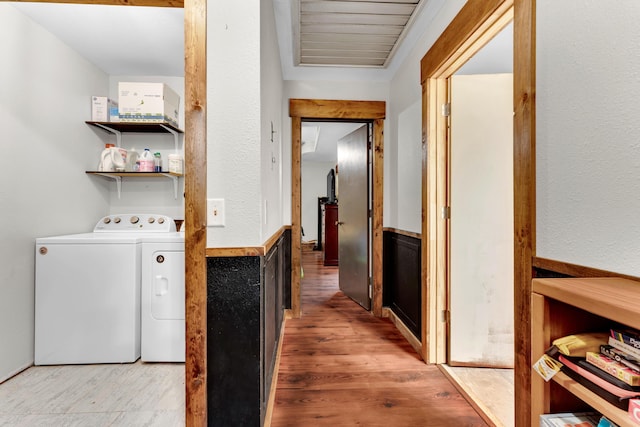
(569, 419)
(628, 336)
(620, 356)
(626, 348)
(617, 369)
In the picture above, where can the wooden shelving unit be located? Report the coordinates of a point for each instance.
(563, 306)
(117, 128)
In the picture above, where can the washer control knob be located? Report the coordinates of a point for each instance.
(134, 220)
(160, 259)
(160, 220)
(117, 220)
(106, 220)
(151, 220)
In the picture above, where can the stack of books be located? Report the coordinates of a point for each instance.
(580, 419)
(613, 373)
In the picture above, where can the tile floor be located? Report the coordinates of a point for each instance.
(138, 394)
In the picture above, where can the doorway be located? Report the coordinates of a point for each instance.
(336, 223)
(332, 110)
(440, 268)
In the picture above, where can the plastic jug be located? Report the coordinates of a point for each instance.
(111, 160)
(146, 161)
(132, 161)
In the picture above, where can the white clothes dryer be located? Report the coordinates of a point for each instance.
(163, 307)
(87, 292)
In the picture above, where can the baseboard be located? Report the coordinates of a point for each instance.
(402, 328)
(274, 377)
(16, 372)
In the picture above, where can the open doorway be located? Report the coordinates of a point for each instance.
(480, 228)
(329, 110)
(337, 222)
(454, 264)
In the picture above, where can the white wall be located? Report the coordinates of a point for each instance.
(234, 133)
(45, 90)
(271, 118)
(314, 185)
(588, 133)
(403, 139)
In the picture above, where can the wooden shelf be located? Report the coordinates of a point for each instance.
(613, 413)
(136, 174)
(562, 306)
(136, 127)
(611, 297)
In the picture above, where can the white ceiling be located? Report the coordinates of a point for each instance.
(146, 41)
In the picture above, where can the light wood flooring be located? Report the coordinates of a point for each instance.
(138, 394)
(340, 366)
(490, 389)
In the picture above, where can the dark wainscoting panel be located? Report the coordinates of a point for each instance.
(402, 290)
(233, 341)
(246, 298)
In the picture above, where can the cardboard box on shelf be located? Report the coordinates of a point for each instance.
(148, 102)
(101, 107)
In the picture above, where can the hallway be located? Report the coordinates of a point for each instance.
(340, 366)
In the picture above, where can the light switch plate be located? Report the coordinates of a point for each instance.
(215, 212)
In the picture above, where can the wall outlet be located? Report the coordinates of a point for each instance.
(215, 212)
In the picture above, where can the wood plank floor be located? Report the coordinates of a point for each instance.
(340, 366)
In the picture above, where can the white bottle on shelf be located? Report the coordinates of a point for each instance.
(146, 161)
(132, 161)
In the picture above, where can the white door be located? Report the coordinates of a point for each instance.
(481, 225)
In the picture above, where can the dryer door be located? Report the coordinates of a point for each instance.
(167, 289)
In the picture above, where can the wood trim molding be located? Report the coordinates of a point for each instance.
(248, 250)
(524, 198)
(274, 377)
(296, 213)
(575, 270)
(337, 110)
(154, 3)
(402, 232)
(402, 328)
(458, 41)
(378, 205)
(195, 146)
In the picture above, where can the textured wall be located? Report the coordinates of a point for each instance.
(233, 120)
(44, 100)
(588, 133)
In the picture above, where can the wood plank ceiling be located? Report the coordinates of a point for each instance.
(362, 33)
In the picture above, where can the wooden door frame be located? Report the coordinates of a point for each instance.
(322, 109)
(195, 147)
(476, 23)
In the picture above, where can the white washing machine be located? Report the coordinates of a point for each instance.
(162, 310)
(87, 292)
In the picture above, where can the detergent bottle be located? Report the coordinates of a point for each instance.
(111, 159)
